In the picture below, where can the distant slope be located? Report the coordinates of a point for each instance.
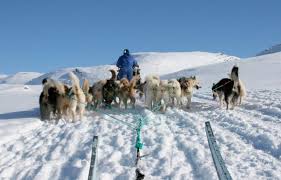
(273, 49)
(164, 63)
(260, 72)
(19, 78)
(91, 73)
(2, 76)
(150, 63)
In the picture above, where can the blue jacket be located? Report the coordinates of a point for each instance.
(126, 63)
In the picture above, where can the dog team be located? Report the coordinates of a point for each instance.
(59, 100)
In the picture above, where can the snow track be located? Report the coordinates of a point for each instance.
(175, 143)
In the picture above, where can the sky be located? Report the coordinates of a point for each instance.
(42, 36)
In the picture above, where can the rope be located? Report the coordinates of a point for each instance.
(120, 121)
(221, 85)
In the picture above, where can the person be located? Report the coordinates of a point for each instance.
(126, 64)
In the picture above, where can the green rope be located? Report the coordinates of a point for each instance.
(139, 144)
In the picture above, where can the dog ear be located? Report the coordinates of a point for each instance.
(179, 80)
(44, 81)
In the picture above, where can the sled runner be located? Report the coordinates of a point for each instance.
(94, 160)
(222, 171)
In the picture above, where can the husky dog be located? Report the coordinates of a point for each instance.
(187, 85)
(127, 91)
(224, 88)
(96, 91)
(110, 90)
(45, 107)
(150, 90)
(87, 92)
(48, 98)
(162, 95)
(231, 90)
(139, 84)
(241, 90)
(174, 92)
(136, 73)
(77, 98)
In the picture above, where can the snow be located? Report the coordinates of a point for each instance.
(19, 78)
(175, 143)
(260, 72)
(2, 76)
(164, 63)
(149, 62)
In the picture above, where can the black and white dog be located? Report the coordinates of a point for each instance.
(229, 90)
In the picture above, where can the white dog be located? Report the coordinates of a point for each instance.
(150, 90)
(168, 94)
(174, 93)
(77, 98)
(162, 95)
(241, 89)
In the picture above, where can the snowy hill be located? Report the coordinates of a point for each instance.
(19, 78)
(156, 63)
(257, 72)
(175, 144)
(2, 76)
(91, 73)
(164, 63)
(273, 49)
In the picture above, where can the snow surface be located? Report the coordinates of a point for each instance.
(175, 143)
(19, 78)
(156, 63)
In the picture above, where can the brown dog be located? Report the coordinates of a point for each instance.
(127, 91)
(187, 85)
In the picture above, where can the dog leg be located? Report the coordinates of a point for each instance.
(221, 97)
(188, 102)
(82, 111)
(133, 102)
(228, 99)
(125, 101)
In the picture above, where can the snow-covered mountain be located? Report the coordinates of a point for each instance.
(273, 49)
(164, 63)
(260, 72)
(91, 73)
(150, 63)
(174, 143)
(19, 78)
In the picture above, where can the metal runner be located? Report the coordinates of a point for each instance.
(94, 160)
(222, 171)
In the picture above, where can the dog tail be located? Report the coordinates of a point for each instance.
(234, 74)
(243, 92)
(133, 83)
(75, 81)
(113, 74)
(86, 86)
